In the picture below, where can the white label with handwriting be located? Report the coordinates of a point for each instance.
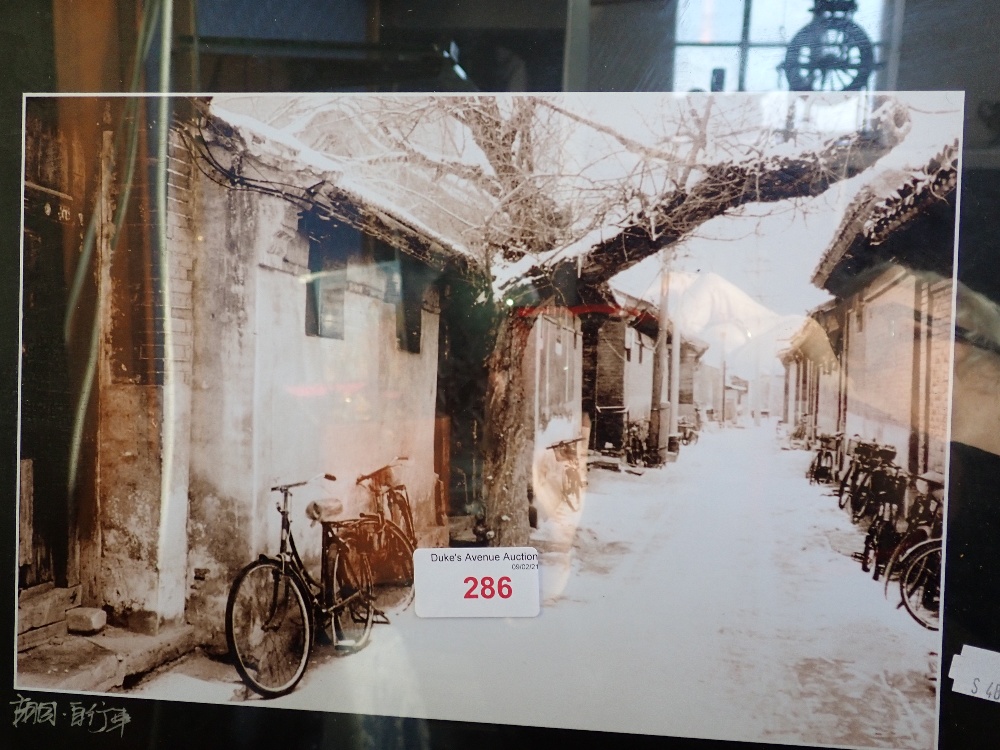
(976, 672)
(476, 582)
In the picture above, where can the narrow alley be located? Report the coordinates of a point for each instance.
(712, 598)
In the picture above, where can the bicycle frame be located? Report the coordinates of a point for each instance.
(384, 493)
(291, 561)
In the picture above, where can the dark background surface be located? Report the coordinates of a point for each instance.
(517, 45)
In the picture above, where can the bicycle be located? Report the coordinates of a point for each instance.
(822, 467)
(855, 484)
(858, 454)
(275, 607)
(889, 488)
(389, 538)
(689, 431)
(877, 482)
(924, 521)
(572, 482)
(831, 52)
(633, 446)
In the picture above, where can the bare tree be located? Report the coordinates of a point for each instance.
(526, 213)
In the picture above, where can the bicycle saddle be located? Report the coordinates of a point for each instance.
(933, 480)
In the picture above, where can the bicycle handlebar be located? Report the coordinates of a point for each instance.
(564, 443)
(395, 462)
(286, 487)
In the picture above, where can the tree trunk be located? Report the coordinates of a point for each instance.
(508, 442)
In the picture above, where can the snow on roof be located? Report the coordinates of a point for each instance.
(714, 312)
(381, 187)
(887, 204)
(419, 183)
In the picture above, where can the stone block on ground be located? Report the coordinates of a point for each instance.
(86, 620)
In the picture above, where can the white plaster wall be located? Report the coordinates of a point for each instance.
(222, 529)
(546, 470)
(880, 363)
(826, 417)
(272, 405)
(340, 406)
(638, 393)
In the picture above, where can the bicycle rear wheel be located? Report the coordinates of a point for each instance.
(269, 628)
(351, 598)
(920, 585)
(392, 570)
(847, 485)
(400, 512)
(862, 498)
(571, 487)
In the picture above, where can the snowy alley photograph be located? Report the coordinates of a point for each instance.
(690, 354)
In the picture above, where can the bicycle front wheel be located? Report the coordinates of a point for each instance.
(920, 585)
(901, 552)
(351, 598)
(268, 628)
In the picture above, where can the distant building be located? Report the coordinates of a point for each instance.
(620, 372)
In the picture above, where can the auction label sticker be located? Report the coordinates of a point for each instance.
(976, 672)
(476, 582)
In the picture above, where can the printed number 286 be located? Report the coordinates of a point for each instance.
(487, 588)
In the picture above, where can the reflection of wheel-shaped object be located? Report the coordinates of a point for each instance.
(571, 487)
(832, 54)
(268, 628)
(350, 598)
(392, 569)
(920, 585)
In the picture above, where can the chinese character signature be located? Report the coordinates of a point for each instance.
(95, 718)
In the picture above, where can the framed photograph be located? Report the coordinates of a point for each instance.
(625, 413)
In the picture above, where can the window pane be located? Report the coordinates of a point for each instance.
(330, 290)
(709, 21)
(778, 20)
(762, 70)
(693, 67)
(330, 248)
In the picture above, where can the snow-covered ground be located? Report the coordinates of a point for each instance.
(715, 598)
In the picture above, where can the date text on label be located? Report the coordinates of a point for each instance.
(480, 582)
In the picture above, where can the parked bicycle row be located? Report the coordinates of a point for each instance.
(277, 610)
(901, 512)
